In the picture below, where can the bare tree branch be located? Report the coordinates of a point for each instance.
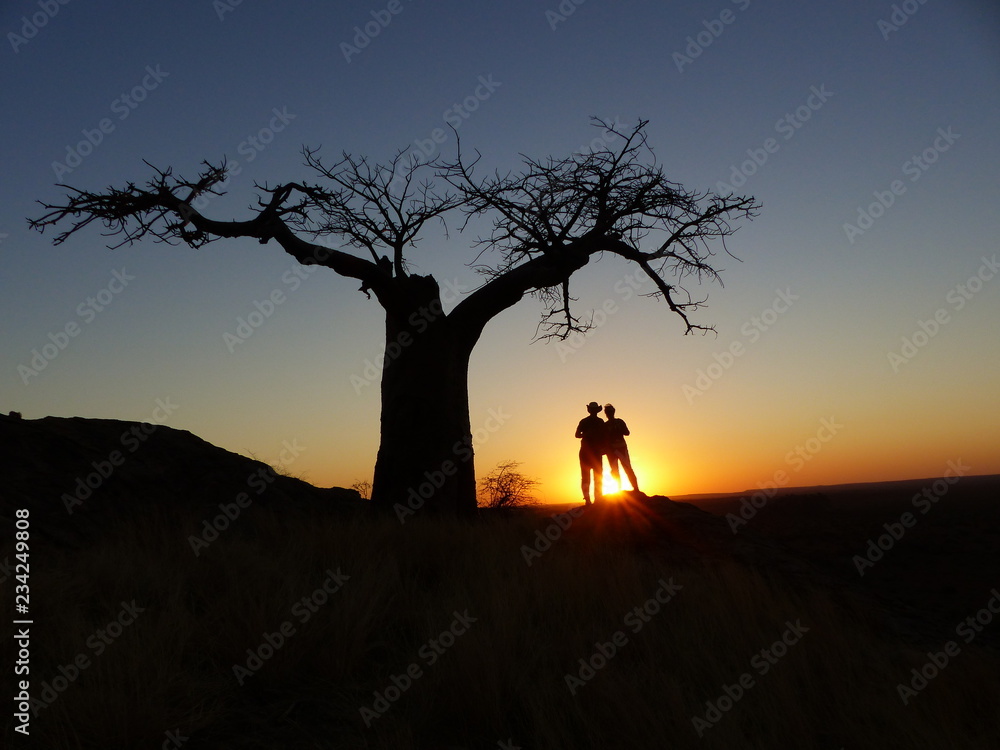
(548, 220)
(553, 215)
(365, 208)
(360, 209)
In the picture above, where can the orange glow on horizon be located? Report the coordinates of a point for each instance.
(760, 448)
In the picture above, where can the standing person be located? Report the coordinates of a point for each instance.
(617, 449)
(591, 430)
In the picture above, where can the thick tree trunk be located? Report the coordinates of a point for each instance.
(425, 459)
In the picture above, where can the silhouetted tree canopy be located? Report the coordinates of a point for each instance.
(548, 219)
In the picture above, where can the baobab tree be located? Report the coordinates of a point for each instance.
(548, 220)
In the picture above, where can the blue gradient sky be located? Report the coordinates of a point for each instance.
(825, 356)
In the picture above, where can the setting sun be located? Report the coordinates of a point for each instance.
(612, 485)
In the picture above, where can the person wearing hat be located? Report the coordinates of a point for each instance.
(591, 432)
(617, 448)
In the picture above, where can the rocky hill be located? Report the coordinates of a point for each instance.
(75, 474)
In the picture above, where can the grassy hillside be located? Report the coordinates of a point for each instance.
(469, 645)
(188, 597)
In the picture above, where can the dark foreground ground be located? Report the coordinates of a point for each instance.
(930, 547)
(303, 620)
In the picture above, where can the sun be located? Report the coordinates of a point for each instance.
(609, 485)
(612, 485)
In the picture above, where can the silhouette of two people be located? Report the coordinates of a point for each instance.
(597, 439)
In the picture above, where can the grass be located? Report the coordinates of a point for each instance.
(502, 680)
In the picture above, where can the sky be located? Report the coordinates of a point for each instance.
(856, 330)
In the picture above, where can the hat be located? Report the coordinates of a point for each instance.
(593, 405)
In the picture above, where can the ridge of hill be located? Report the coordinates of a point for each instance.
(72, 473)
(83, 478)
